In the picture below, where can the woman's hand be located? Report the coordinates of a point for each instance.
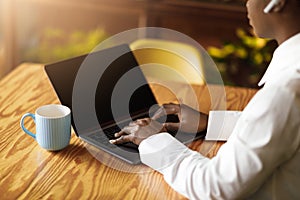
(137, 131)
(190, 120)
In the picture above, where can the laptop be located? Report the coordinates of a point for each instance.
(105, 91)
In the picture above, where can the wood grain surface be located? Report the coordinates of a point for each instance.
(76, 172)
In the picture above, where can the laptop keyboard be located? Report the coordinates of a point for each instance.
(101, 138)
(109, 133)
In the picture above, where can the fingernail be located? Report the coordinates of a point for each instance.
(112, 141)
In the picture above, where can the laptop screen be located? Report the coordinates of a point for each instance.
(122, 90)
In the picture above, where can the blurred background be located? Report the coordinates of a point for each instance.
(44, 31)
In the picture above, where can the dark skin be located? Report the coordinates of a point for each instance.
(190, 121)
(280, 24)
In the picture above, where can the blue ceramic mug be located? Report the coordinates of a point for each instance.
(53, 126)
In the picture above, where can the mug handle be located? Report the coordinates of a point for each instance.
(22, 124)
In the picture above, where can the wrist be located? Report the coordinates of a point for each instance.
(203, 122)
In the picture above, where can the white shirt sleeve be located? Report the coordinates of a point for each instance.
(242, 165)
(221, 124)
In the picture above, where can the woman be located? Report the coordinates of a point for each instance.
(261, 159)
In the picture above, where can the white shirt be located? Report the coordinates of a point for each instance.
(260, 160)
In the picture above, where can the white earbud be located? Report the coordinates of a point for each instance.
(270, 6)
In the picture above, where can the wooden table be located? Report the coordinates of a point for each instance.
(29, 172)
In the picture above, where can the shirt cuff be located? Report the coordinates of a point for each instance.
(160, 151)
(221, 124)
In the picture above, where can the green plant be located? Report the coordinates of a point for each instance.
(243, 62)
(56, 44)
